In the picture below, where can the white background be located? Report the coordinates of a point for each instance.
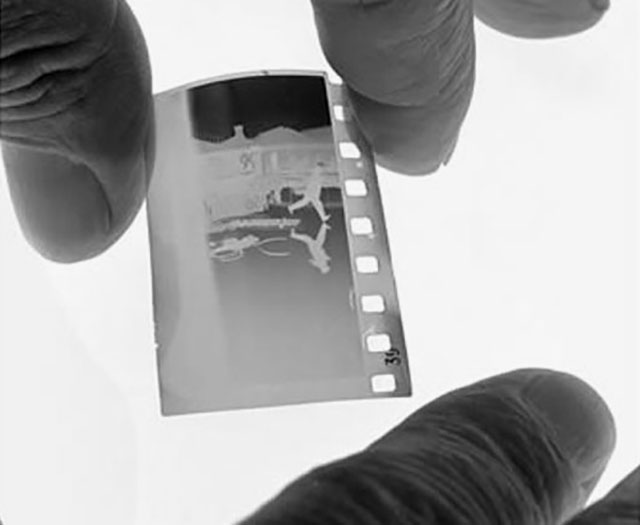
(521, 253)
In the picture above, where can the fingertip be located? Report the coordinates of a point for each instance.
(544, 19)
(578, 420)
(509, 449)
(601, 5)
(417, 166)
(551, 428)
(581, 422)
(409, 68)
(60, 205)
(402, 166)
(576, 413)
(415, 140)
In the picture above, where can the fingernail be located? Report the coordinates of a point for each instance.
(601, 5)
(450, 151)
(582, 422)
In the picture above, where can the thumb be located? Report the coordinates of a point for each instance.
(525, 447)
(75, 121)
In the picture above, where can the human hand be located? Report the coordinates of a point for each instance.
(77, 137)
(523, 448)
(76, 104)
(75, 121)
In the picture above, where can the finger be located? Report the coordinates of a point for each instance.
(621, 506)
(541, 19)
(414, 140)
(523, 447)
(75, 122)
(409, 68)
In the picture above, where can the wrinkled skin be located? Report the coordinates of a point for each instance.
(75, 102)
(75, 115)
(525, 448)
(76, 126)
(410, 69)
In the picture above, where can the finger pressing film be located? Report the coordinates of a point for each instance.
(409, 68)
(540, 19)
(523, 447)
(413, 140)
(621, 506)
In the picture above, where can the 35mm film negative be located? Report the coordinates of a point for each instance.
(272, 276)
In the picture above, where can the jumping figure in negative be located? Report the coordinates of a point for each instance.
(312, 195)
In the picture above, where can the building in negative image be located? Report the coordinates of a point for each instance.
(268, 169)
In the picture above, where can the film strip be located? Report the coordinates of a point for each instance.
(272, 275)
(383, 341)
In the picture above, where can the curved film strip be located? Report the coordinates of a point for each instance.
(272, 275)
